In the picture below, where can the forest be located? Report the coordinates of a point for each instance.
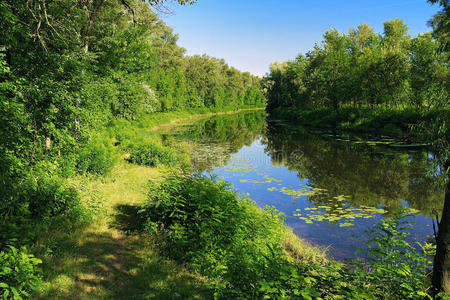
(70, 68)
(367, 82)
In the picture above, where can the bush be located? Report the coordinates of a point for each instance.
(34, 200)
(18, 273)
(202, 222)
(96, 157)
(196, 214)
(39, 195)
(394, 268)
(153, 155)
(49, 196)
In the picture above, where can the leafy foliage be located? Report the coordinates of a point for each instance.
(96, 157)
(69, 70)
(153, 155)
(394, 266)
(18, 273)
(362, 69)
(202, 222)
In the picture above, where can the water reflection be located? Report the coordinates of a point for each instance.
(370, 175)
(340, 185)
(216, 138)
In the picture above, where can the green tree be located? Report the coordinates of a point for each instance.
(440, 137)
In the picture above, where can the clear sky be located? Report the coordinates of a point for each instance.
(250, 34)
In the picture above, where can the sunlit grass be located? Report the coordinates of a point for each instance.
(102, 261)
(301, 250)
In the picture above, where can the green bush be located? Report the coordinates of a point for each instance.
(96, 157)
(38, 195)
(202, 222)
(48, 196)
(152, 155)
(393, 267)
(18, 273)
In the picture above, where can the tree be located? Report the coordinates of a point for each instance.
(440, 134)
(395, 64)
(441, 25)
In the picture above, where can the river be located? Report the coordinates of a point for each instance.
(331, 188)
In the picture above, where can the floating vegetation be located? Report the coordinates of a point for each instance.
(267, 179)
(241, 168)
(338, 212)
(297, 193)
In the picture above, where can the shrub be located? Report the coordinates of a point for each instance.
(96, 157)
(18, 273)
(394, 268)
(202, 222)
(38, 195)
(34, 200)
(153, 155)
(49, 196)
(196, 214)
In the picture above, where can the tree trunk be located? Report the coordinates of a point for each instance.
(441, 264)
(48, 144)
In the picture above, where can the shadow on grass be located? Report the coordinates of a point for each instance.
(127, 218)
(107, 264)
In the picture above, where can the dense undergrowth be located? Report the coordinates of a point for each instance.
(75, 91)
(53, 200)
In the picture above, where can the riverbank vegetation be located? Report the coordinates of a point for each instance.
(201, 222)
(384, 84)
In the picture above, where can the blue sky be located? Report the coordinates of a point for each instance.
(250, 34)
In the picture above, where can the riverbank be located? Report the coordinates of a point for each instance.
(404, 124)
(108, 258)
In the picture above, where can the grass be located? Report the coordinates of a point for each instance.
(301, 250)
(103, 261)
(107, 258)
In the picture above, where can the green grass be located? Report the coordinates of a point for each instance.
(103, 261)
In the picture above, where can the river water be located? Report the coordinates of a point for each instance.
(331, 188)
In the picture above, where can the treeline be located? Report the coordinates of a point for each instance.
(363, 69)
